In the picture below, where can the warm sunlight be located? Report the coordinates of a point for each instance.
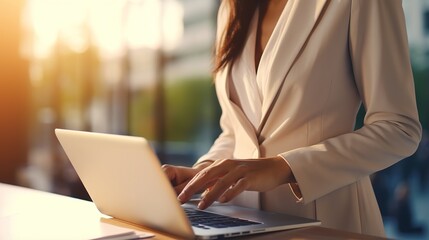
(50, 21)
(110, 25)
(154, 24)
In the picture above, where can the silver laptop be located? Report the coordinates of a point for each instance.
(124, 179)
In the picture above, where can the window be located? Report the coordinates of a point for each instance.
(134, 67)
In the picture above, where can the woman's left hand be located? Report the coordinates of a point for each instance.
(225, 179)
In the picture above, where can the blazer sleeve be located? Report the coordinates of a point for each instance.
(378, 49)
(223, 146)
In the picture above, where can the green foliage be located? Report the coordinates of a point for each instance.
(142, 119)
(191, 110)
(190, 107)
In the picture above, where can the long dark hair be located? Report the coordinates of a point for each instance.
(235, 32)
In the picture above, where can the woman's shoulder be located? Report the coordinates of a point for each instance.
(223, 10)
(222, 18)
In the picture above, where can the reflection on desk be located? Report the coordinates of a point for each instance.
(32, 214)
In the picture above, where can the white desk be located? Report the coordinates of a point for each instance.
(32, 214)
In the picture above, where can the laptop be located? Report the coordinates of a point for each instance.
(124, 179)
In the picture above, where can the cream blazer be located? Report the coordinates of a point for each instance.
(333, 56)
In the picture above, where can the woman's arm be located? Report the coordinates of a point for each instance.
(391, 131)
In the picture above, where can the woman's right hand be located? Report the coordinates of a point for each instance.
(180, 176)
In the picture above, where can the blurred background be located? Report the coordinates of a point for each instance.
(143, 68)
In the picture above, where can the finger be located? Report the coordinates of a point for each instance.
(197, 183)
(185, 196)
(217, 190)
(222, 185)
(201, 181)
(179, 188)
(169, 171)
(235, 190)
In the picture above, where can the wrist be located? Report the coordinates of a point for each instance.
(288, 176)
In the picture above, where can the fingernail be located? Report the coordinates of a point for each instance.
(222, 199)
(181, 197)
(202, 204)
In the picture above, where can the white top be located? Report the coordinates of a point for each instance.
(251, 84)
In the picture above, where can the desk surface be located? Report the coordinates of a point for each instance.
(31, 209)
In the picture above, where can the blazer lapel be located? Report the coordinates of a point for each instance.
(296, 30)
(223, 82)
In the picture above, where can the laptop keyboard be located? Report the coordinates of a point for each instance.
(206, 220)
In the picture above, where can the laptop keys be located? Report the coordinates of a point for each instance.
(207, 220)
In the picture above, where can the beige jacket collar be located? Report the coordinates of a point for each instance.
(293, 38)
(294, 34)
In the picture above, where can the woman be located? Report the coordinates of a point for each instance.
(290, 78)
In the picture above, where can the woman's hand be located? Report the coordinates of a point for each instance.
(180, 176)
(225, 179)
